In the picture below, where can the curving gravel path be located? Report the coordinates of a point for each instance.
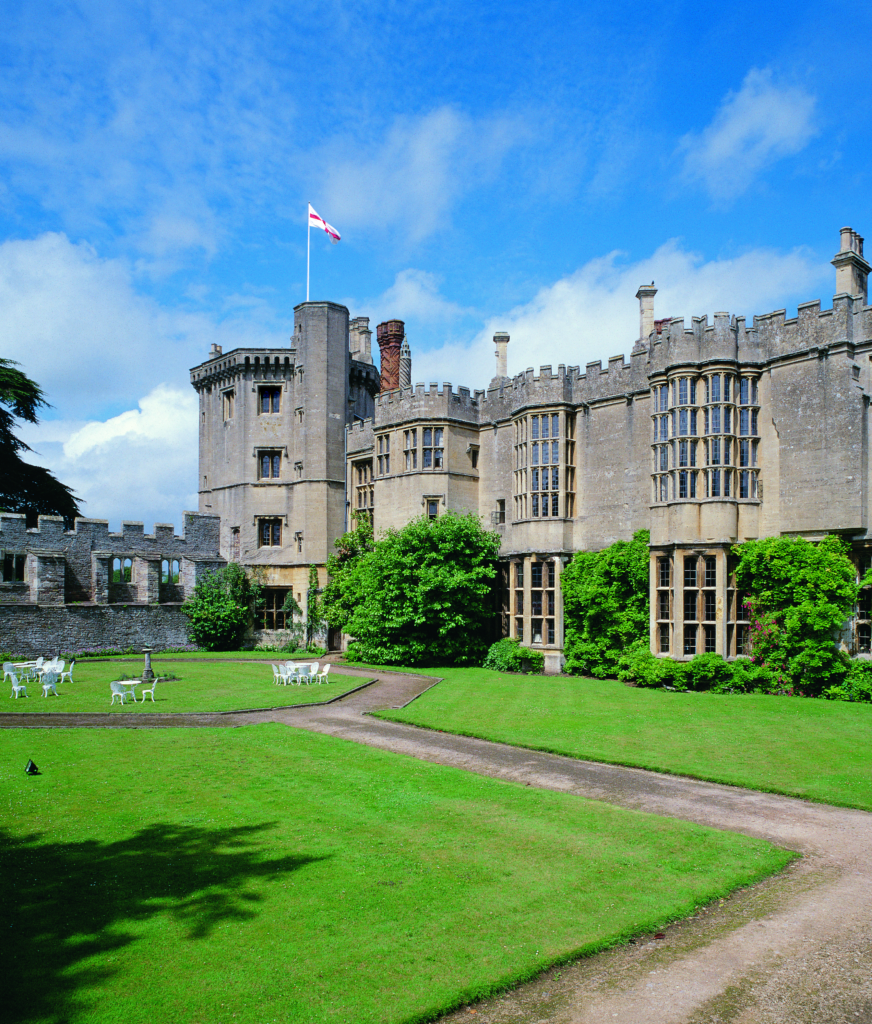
(795, 949)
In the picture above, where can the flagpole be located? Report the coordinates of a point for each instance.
(308, 249)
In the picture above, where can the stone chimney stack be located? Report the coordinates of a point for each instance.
(645, 295)
(852, 271)
(405, 365)
(360, 339)
(214, 351)
(501, 340)
(390, 336)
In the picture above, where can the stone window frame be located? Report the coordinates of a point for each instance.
(275, 527)
(383, 457)
(228, 404)
(274, 459)
(170, 571)
(13, 567)
(273, 396)
(709, 413)
(433, 447)
(364, 488)
(531, 492)
(410, 449)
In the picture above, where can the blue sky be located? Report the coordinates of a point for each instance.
(490, 166)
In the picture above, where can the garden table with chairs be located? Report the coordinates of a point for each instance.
(294, 673)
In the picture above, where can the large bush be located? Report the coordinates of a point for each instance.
(606, 603)
(220, 609)
(421, 595)
(800, 595)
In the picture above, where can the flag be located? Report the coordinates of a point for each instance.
(318, 222)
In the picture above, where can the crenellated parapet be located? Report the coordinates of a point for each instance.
(90, 564)
(771, 337)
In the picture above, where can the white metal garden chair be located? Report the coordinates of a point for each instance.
(322, 675)
(8, 670)
(49, 684)
(142, 693)
(69, 671)
(118, 690)
(277, 674)
(17, 688)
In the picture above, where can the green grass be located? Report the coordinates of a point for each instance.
(815, 749)
(202, 686)
(268, 874)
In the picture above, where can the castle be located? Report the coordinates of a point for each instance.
(706, 436)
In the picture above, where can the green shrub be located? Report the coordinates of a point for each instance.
(220, 608)
(418, 596)
(508, 655)
(856, 686)
(801, 595)
(606, 606)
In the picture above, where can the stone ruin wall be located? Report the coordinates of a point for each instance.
(67, 600)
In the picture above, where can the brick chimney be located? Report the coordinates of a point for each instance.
(390, 336)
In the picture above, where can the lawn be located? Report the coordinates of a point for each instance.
(201, 686)
(268, 874)
(815, 749)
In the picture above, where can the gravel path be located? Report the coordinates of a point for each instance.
(795, 949)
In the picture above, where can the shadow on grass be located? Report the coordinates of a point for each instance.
(64, 903)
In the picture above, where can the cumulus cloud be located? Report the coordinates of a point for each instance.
(592, 314)
(412, 177)
(80, 327)
(753, 128)
(414, 295)
(140, 465)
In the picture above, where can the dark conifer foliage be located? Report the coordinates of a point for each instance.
(23, 487)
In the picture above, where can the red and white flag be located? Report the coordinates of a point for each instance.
(318, 222)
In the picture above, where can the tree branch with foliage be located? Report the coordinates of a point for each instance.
(24, 488)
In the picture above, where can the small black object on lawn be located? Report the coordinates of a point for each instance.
(31, 769)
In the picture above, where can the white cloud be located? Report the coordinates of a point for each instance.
(592, 314)
(754, 127)
(78, 325)
(140, 465)
(414, 295)
(412, 177)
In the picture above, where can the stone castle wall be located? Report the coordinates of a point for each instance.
(68, 599)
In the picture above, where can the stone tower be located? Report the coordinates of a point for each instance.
(272, 433)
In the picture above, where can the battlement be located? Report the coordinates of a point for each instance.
(771, 337)
(418, 402)
(255, 363)
(200, 533)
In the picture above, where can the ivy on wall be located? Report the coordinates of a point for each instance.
(605, 600)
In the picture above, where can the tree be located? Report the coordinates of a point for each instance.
(220, 608)
(420, 595)
(315, 617)
(23, 487)
(606, 603)
(350, 546)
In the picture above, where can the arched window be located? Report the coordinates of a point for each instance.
(164, 571)
(127, 570)
(175, 571)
